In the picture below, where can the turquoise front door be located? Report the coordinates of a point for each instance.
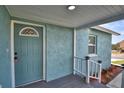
(28, 43)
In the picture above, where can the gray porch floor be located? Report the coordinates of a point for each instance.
(70, 81)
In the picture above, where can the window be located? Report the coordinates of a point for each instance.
(92, 44)
(28, 31)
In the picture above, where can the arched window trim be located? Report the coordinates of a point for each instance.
(20, 33)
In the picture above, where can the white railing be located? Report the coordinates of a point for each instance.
(88, 68)
(94, 70)
(78, 66)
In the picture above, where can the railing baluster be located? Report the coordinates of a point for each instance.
(81, 66)
(96, 70)
(78, 64)
(92, 69)
(74, 65)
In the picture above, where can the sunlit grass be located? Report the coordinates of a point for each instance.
(118, 62)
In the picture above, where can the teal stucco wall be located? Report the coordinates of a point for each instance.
(82, 42)
(82, 45)
(59, 48)
(103, 46)
(5, 63)
(59, 51)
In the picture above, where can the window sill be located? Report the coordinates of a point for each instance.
(93, 55)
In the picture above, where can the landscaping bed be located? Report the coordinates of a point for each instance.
(108, 74)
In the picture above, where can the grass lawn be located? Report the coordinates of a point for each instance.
(118, 62)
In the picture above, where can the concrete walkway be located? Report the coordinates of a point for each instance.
(117, 82)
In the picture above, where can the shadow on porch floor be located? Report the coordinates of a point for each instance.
(70, 81)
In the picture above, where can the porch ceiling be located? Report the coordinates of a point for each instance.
(59, 15)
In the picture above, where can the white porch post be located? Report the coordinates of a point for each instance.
(100, 70)
(44, 53)
(74, 51)
(100, 74)
(87, 69)
(12, 54)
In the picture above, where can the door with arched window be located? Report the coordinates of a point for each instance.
(28, 43)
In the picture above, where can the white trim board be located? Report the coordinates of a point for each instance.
(74, 49)
(75, 41)
(12, 48)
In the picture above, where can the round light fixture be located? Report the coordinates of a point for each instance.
(71, 7)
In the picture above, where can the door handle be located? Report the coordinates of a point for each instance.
(15, 53)
(15, 56)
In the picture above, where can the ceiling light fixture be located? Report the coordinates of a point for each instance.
(71, 7)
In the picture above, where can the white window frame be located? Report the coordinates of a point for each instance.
(95, 45)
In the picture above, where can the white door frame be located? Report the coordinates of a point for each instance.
(12, 49)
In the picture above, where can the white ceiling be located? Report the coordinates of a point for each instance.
(59, 15)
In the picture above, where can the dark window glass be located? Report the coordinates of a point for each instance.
(92, 44)
(92, 39)
(92, 49)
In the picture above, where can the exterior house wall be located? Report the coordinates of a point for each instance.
(103, 46)
(82, 45)
(59, 50)
(5, 61)
(82, 42)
